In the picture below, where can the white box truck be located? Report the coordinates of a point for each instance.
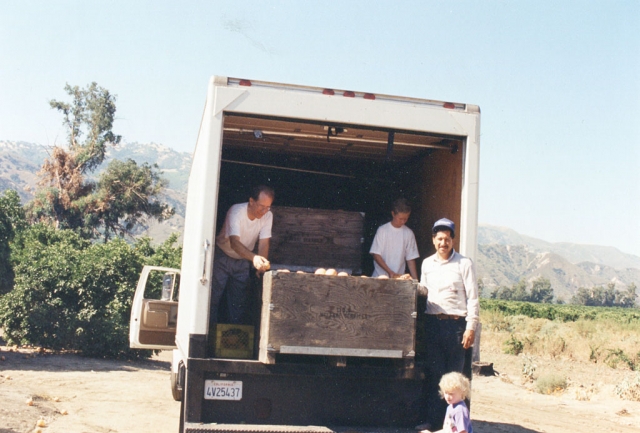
(319, 351)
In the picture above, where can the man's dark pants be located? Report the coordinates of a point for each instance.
(444, 354)
(233, 276)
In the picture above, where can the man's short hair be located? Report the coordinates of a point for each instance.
(401, 205)
(259, 189)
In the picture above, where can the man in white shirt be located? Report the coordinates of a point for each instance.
(244, 224)
(452, 313)
(394, 246)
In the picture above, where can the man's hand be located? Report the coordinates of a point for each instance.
(468, 337)
(260, 263)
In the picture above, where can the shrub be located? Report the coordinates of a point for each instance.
(529, 367)
(512, 346)
(11, 222)
(70, 294)
(595, 353)
(562, 313)
(496, 321)
(616, 356)
(557, 345)
(551, 383)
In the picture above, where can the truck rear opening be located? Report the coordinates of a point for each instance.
(343, 167)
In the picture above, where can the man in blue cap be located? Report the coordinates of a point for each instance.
(452, 314)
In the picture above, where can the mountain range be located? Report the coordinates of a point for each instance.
(504, 255)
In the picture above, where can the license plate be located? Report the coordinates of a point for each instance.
(222, 390)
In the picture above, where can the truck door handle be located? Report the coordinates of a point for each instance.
(203, 280)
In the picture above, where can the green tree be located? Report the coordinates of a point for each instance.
(582, 296)
(519, 291)
(73, 294)
(125, 193)
(541, 291)
(12, 220)
(609, 295)
(42, 307)
(502, 292)
(89, 120)
(627, 299)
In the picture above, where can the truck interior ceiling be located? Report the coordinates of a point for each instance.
(323, 165)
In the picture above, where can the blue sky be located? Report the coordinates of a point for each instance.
(558, 83)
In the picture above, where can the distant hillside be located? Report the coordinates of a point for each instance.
(575, 253)
(505, 256)
(504, 265)
(19, 163)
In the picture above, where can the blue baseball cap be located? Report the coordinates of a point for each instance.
(446, 224)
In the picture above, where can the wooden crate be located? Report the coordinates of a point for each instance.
(316, 238)
(336, 316)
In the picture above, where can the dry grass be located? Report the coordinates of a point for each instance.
(597, 341)
(579, 358)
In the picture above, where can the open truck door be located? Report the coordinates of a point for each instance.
(154, 313)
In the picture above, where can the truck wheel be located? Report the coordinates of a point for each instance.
(176, 391)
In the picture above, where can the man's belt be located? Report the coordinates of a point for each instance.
(448, 317)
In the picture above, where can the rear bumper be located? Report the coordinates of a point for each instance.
(253, 428)
(281, 397)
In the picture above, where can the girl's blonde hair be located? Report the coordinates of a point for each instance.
(453, 381)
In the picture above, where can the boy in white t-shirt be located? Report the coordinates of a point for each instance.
(394, 246)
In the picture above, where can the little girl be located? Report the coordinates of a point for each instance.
(454, 388)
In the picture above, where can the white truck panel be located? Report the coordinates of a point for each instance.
(200, 220)
(385, 114)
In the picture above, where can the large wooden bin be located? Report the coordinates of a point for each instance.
(336, 316)
(307, 239)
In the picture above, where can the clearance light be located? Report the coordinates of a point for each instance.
(349, 94)
(449, 105)
(328, 92)
(369, 96)
(245, 83)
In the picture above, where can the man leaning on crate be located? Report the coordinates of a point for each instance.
(451, 315)
(244, 224)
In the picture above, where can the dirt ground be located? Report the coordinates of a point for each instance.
(72, 394)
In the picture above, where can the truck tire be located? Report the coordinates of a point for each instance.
(176, 390)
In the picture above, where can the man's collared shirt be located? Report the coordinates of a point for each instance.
(452, 287)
